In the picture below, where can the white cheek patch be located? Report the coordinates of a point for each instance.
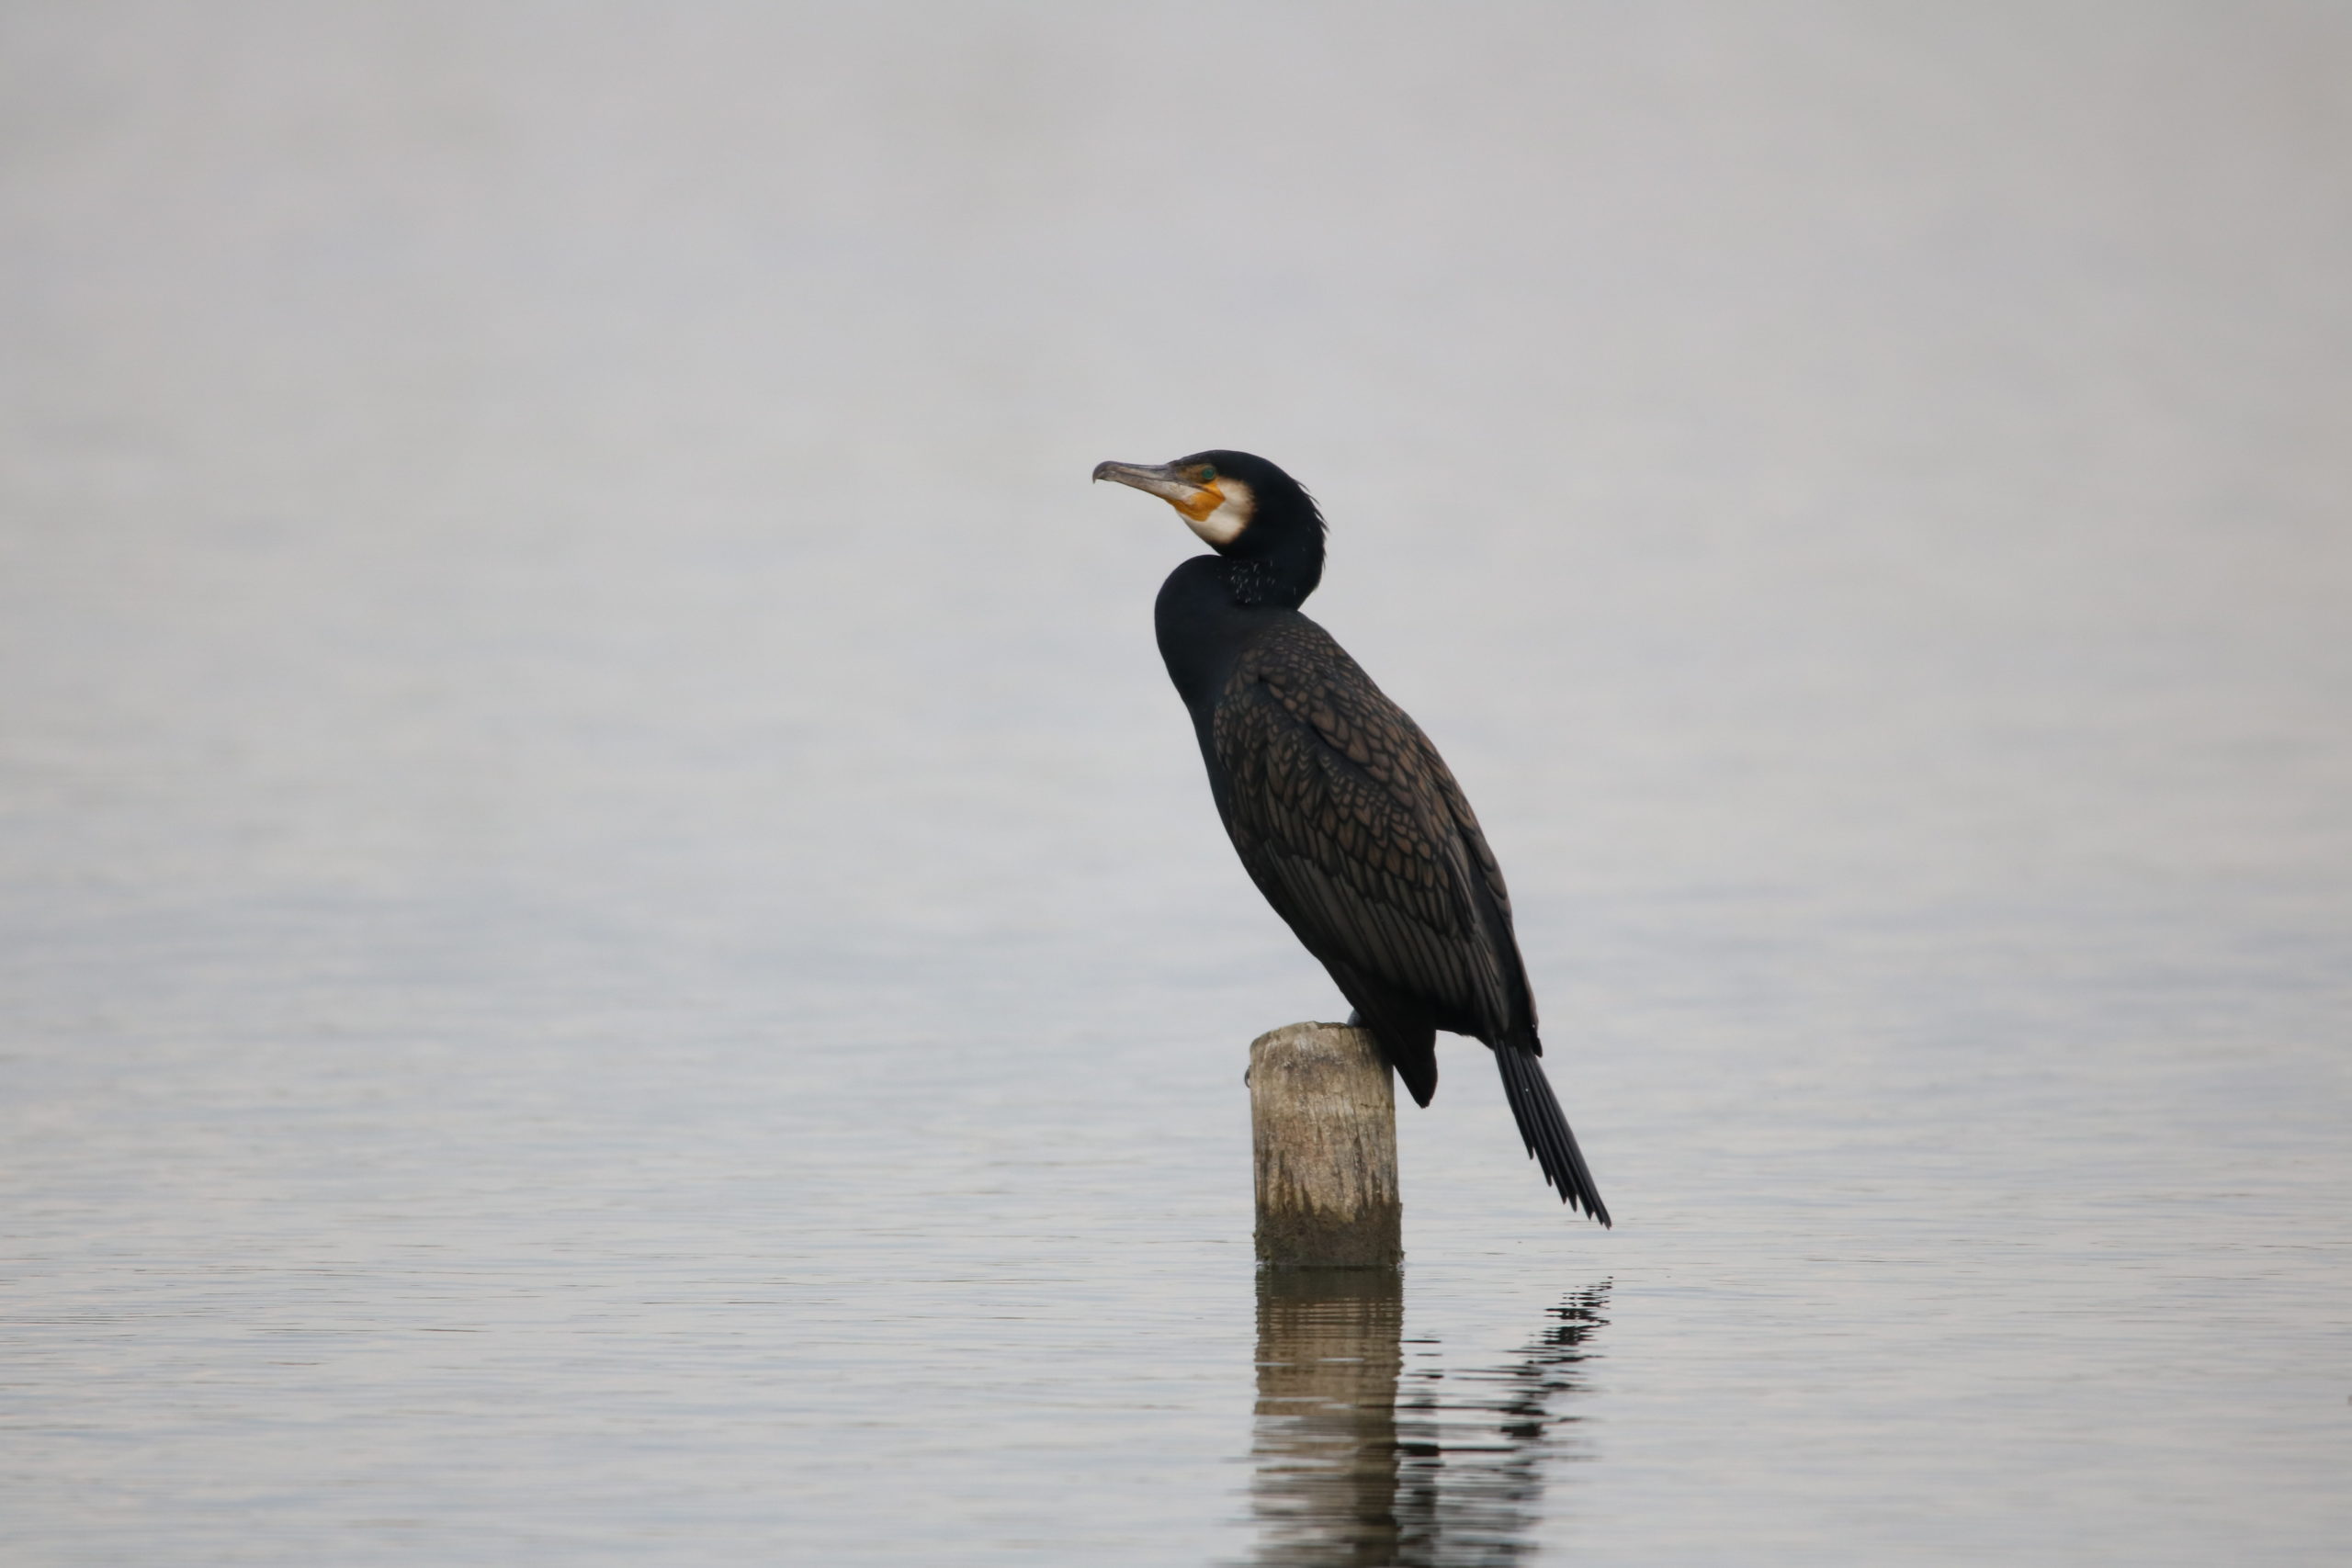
(1224, 524)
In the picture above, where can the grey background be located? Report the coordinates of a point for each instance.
(614, 949)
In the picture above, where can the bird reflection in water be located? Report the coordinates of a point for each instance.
(1362, 1461)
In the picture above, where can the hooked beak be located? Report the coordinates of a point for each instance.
(1195, 501)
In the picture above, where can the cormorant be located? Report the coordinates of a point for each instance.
(1343, 813)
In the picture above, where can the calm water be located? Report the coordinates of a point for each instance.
(615, 952)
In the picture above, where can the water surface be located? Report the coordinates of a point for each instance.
(612, 947)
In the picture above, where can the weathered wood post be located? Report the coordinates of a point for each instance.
(1323, 1125)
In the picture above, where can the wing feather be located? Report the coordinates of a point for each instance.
(1357, 833)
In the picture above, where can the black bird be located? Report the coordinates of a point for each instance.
(1347, 819)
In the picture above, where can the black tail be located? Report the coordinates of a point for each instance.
(1545, 1130)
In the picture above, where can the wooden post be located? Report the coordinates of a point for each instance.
(1323, 1121)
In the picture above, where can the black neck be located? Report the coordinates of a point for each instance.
(1276, 566)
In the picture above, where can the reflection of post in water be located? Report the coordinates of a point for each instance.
(1348, 1472)
(1328, 1353)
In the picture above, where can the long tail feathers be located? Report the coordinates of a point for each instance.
(1544, 1130)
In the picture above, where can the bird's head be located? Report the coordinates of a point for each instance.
(1244, 508)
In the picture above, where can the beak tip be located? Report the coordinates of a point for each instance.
(1151, 480)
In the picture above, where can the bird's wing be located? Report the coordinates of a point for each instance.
(1354, 828)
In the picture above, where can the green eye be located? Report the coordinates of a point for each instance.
(1208, 473)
